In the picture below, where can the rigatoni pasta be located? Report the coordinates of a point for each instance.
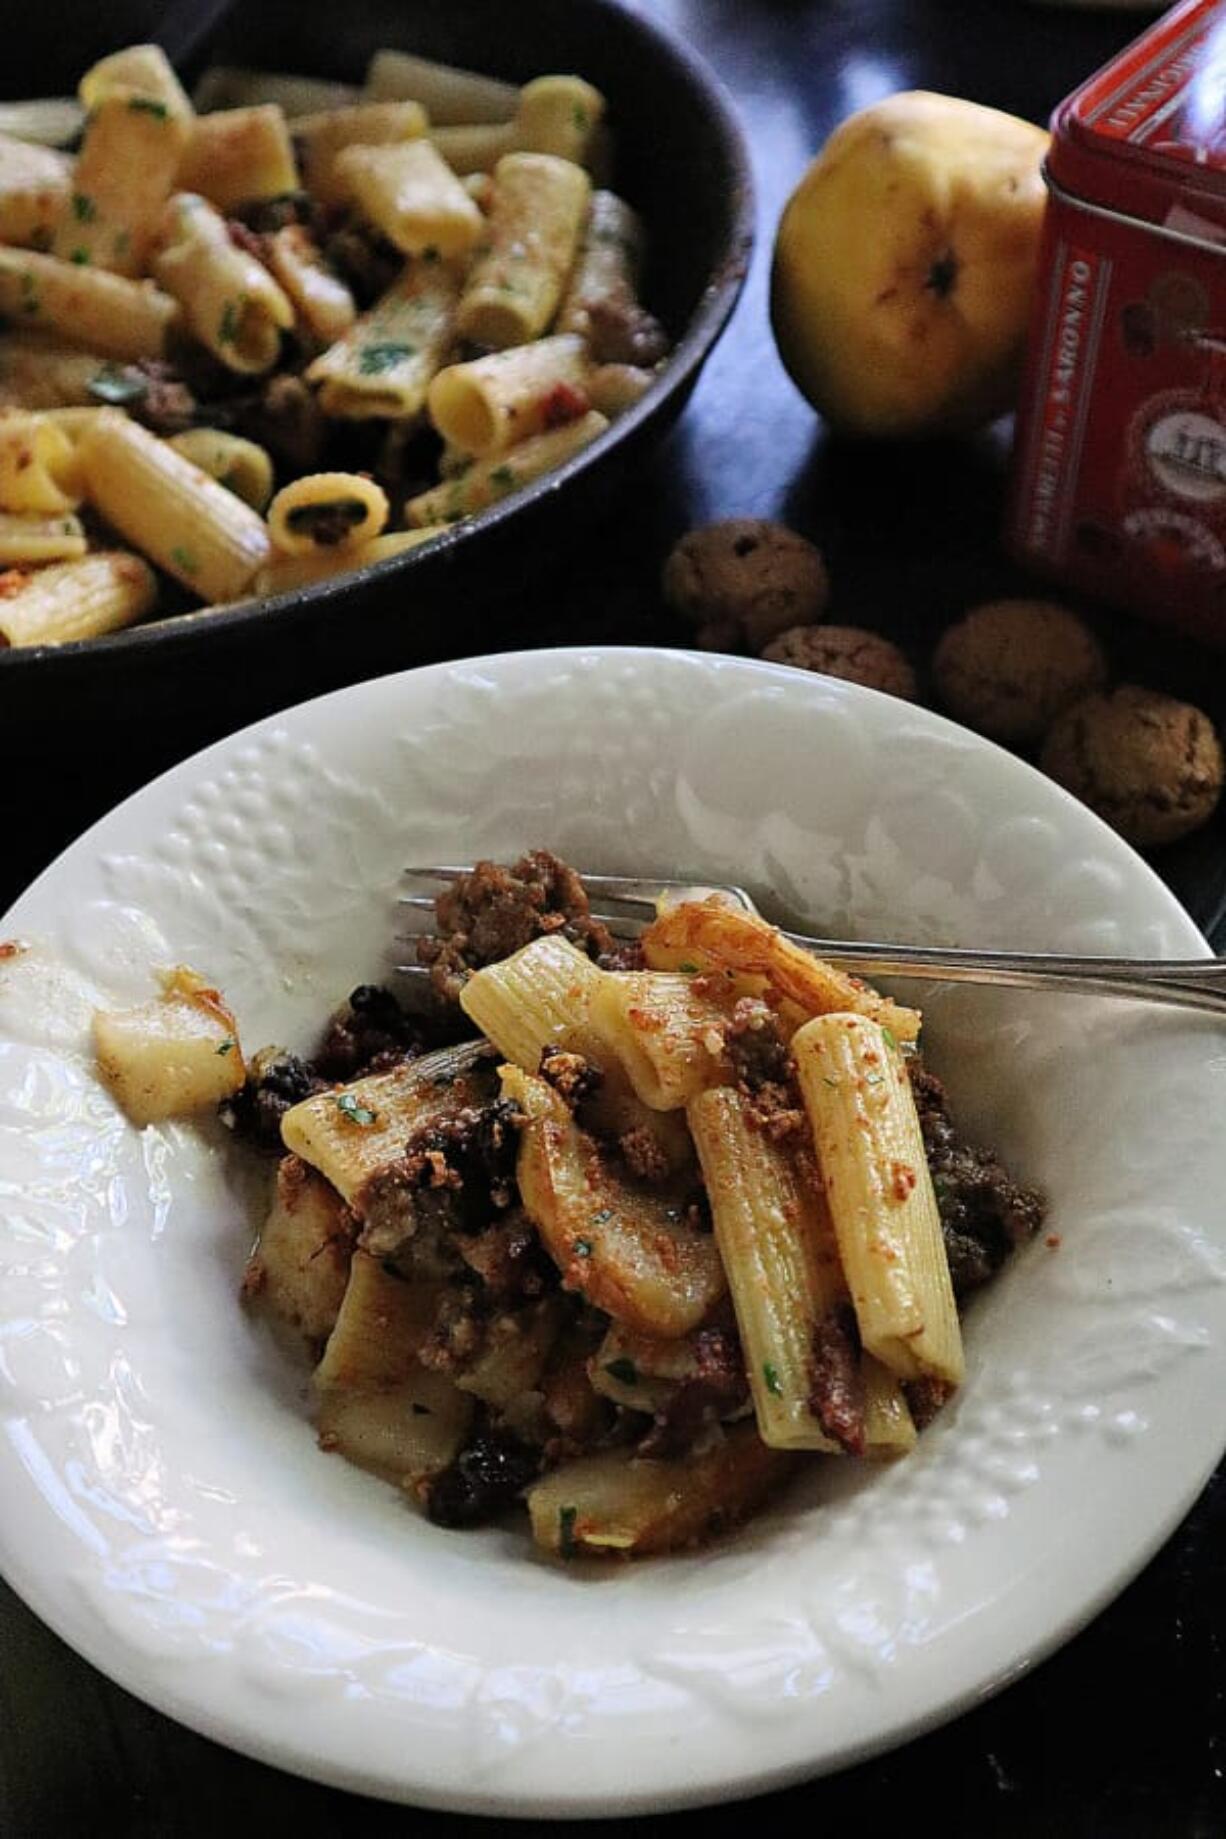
(39, 469)
(34, 187)
(103, 312)
(122, 178)
(74, 600)
(519, 274)
(322, 303)
(490, 403)
(382, 367)
(321, 138)
(240, 465)
(485, 482)
(410, 194)
(31, 536)
(326, 511)
(232, 303)
(236, 156)
(171, 510)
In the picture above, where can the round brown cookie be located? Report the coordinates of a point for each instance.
(742, 581)
(847, 652)
(1151, 766)
(1011, 666)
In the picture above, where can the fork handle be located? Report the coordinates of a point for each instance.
(1187, 983)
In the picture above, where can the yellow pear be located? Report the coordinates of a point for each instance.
(904, 266)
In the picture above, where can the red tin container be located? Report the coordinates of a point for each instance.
(1119, 482)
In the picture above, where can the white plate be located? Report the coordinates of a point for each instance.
(165, 1507)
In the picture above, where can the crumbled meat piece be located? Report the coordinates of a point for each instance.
(267, 215)
(371, 1034)
(984, 1212)
(764, 1069)
(458, 1333)
(718, 1389)
(509, 1258)
(643, 1154)
(925, 1397)
(454, 1176)
(570, 1075)
(624, 955)
(153, 392)
(284, 417)
(836, 1394)
(620, 331)
(248, 240)
(493, 912)
(367, 264)
(276, 1081)
(487, 1477)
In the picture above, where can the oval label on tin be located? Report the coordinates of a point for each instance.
(1186, 452)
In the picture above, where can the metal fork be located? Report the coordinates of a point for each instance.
(627, 905)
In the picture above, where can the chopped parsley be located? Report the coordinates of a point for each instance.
(226, 1047)
(149, 105)
(118, 383)
(227, 326)
(771, 1376)
(29, 292)
(503, 476)
(891, 1039)
(567, 1544)
(623, 1369)
(580, 116)
(357, 1113)
(80, 257)
(582, 1248)
(430, 254)
(184, 559)
(691, 970)
(83, 207)
(375, 359)
(829, 1080)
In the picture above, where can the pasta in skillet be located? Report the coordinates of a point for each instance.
(412, 285)
(614, 1237)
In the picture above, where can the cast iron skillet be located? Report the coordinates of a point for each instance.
(681, 161)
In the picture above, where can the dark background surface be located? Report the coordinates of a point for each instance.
(1123, 1734)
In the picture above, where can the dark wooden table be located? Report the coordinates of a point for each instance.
(1123, 1734)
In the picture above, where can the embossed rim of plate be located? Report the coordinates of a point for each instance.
(740, 1738)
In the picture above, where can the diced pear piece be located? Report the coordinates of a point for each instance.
(300, 1266)
(171, 1057)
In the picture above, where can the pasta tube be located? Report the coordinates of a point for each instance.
(137, 70)
(383, 365)
(282, 573)
(606, 269)
(236, 156)
(38, 372)
(39, 470)
(47, 121)
(488, 481)
(539, 997)
(34, 187)
(326, 511)
(350, 1134)
(615, 1505)
(476, 147)
(446, 94)
(238, 464)
(811, 1388)
(709, 934)
(614, 388)
(486, 406)
(560, 116)
(27, 537)
(517, 278)
(667, 1035)
(871, 1150)
(104, 312)
(230, 300)
(320, 138)
(322, 302)
(76, 600)
(408, 191)
(188, 524)
(230, 86)
(627, 1248)
(123, 176)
